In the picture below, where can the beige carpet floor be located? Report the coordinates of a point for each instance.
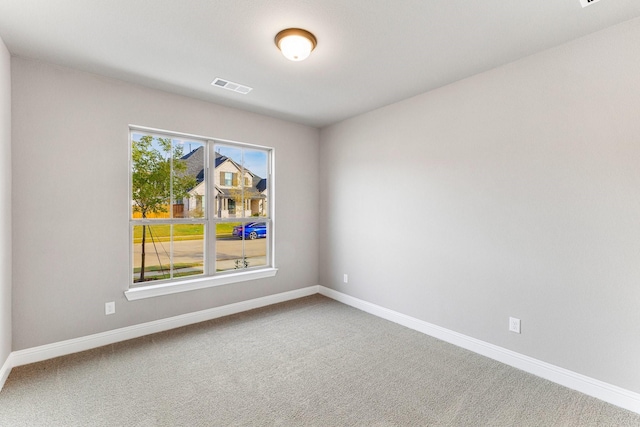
(309, 362)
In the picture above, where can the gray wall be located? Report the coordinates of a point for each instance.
(5, 203)
(512, 193)
(71, 202)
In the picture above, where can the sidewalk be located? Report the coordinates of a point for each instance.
(221, 265)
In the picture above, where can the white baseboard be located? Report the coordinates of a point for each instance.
(5, 370)
(609, 393)
(592, 387)
(49, 351)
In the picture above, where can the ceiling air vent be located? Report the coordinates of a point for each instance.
(226, 84)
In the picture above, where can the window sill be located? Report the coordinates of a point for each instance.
(200, 283)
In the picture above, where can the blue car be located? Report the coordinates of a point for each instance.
(251, 231)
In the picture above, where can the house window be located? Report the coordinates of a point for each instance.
(227, 179)
(178, 233)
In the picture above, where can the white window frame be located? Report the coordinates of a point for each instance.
(210, 277)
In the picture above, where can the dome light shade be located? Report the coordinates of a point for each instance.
(295, 43)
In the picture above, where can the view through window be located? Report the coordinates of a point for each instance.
(198, 207)
(241, 207)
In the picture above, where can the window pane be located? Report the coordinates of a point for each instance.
(229, 246)
(241, 245)
(228, 183)
(151, 249)
(256, 194)
(189, 184)
(188, 249)
(167, 251)
(241, 182)
(255, 247)
(150, 176)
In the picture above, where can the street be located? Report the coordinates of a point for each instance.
(191, 251)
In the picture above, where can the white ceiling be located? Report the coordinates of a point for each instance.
(370, 53)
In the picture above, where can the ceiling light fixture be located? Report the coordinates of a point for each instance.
(295, 43)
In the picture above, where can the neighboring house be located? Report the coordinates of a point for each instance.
(238, 192)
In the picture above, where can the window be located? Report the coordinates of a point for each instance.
(191, 215)
(242, 241)
(228, 179)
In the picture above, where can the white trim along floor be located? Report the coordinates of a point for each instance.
(609, 393)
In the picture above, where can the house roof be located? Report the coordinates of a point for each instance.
(227, 192)
(195, 167)
(195, 164)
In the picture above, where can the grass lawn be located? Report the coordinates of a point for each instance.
(161, 232)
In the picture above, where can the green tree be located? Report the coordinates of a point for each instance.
(158, 178)
(239, 194)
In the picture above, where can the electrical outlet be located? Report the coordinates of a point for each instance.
(109, 307)
(345, 279)
(514, 325)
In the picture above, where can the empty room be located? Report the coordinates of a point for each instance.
(319, 213)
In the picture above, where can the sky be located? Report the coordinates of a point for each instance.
(252, 159)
